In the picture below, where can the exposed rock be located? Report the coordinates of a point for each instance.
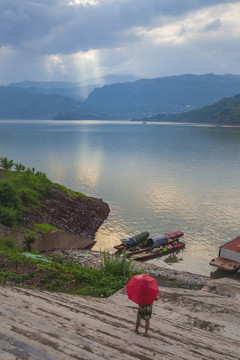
(81, 216)
(78, 217)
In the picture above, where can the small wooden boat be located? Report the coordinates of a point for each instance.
(157, 252)
(142, 238)
(229, 256)
(137, 240)
(145, 247)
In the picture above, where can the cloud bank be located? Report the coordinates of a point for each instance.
(62, 40)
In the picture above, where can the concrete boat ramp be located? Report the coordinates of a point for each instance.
(186, 324)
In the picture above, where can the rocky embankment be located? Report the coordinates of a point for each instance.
(77, 218)
(77, 215)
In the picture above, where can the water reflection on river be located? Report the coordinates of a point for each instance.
(156, 177)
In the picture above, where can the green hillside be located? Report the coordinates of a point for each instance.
(224, 112)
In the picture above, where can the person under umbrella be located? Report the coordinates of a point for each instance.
(143, 290)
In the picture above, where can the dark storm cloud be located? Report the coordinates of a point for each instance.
(20, 21)
(52, 26)
(53, 40)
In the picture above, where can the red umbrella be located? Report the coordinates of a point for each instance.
(142, 289)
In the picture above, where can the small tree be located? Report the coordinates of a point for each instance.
(6, 164)
(19, 167)
(28, 241)
(29, 171)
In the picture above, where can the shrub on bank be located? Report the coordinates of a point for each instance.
(11, 206)
(62, 276)
(20, 190)
(23, 189)
(5, 163)
(9, 217)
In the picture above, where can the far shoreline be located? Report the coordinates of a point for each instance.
(140, 121)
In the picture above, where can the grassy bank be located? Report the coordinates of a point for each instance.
(22, 189)
(31, 270)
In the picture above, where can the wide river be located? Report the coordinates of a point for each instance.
(155, 177)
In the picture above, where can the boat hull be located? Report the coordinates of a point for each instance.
(174, 235)
(146, 255)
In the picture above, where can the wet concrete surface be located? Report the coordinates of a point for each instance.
(186, 324)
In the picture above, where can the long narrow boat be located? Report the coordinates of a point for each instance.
(229, 256)
(137, 240)
(146, 247)
(151, 254)
(142, 238)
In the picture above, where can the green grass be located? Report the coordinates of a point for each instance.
(70, 192)
(20, 191)
(173, 283)
(7, 244)
(25, 189)
(44, 228)
(63, 276)
(31, 186)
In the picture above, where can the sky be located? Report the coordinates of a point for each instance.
(76, 40)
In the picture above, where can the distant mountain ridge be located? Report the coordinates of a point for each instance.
(145, 98)
(17, 103)
(77, 90)
(173, 94)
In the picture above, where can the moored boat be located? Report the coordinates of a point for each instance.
(229, 256)
(134, 241)
(140, 240)
(157, 252)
